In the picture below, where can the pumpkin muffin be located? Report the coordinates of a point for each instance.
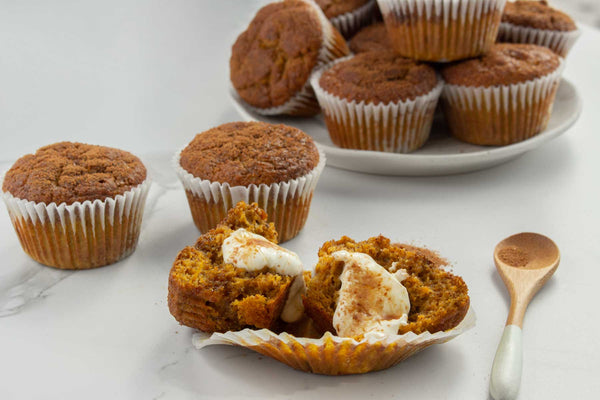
(364, 296)
(75, 205)
(378, 101)
(503, 97)
(272, 60)
(236, 276)
(442, 30)
(371, 38)
(348, 16)
(536, 22)
(435, 300)
(276, 166)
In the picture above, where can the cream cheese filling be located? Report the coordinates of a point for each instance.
(253, 252)
(371, 301)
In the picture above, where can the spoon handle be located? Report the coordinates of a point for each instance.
(507, 366)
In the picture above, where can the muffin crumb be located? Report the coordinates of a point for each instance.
(208, 294)
(438, 299)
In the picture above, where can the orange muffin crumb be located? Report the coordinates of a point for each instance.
(438, 299)
(210, 295)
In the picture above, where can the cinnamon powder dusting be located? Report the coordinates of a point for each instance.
(514, 256)
(432, 256)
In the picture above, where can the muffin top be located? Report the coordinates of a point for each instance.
(370, 38)
(333, 8)
(504, 64)
(245, 153)
(538, 15)
(68, 172)
(273, 58)
(378, 77)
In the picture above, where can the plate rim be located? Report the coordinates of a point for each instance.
(490, 153)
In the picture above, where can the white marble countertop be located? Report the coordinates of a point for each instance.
(145, 76)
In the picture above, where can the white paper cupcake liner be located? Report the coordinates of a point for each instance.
(304, 102)
(501, 115)
(334, 355)
(351, 22)
(442, 30)
(399, 127)
(286, 203)
(80, 235)
(557, 41)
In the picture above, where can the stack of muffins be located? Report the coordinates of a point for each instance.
(384, 97)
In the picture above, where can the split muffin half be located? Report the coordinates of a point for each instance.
(236, 277)
(375, 287)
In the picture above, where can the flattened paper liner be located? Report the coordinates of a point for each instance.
(333, 355)
(80, 235)
(501, 115)
(304, 102)
(442, 30)
(286, 203)
(399, 127)
(558, 41)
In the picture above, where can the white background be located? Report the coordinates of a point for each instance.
(146, 76)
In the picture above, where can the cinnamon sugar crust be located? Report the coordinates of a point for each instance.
(371, 38)
(68, 172)
(272, 60)
(245, 153)
(378, 77)
(333, 8)
(504, 64)
(538, 15)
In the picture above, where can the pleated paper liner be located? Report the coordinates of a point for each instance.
(442, 30)
(333, 355)
(500, 115)
(286, 203)
(399, 127)
(351, 22)
(304, 102)
(558, 41)
(81, 235)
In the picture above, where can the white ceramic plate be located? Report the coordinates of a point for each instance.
(441, 155)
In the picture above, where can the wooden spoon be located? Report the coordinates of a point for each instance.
(525, 262)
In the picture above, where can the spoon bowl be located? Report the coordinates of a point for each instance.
(525, 262)
(527, 250)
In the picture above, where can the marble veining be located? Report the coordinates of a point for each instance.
(27, 285)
